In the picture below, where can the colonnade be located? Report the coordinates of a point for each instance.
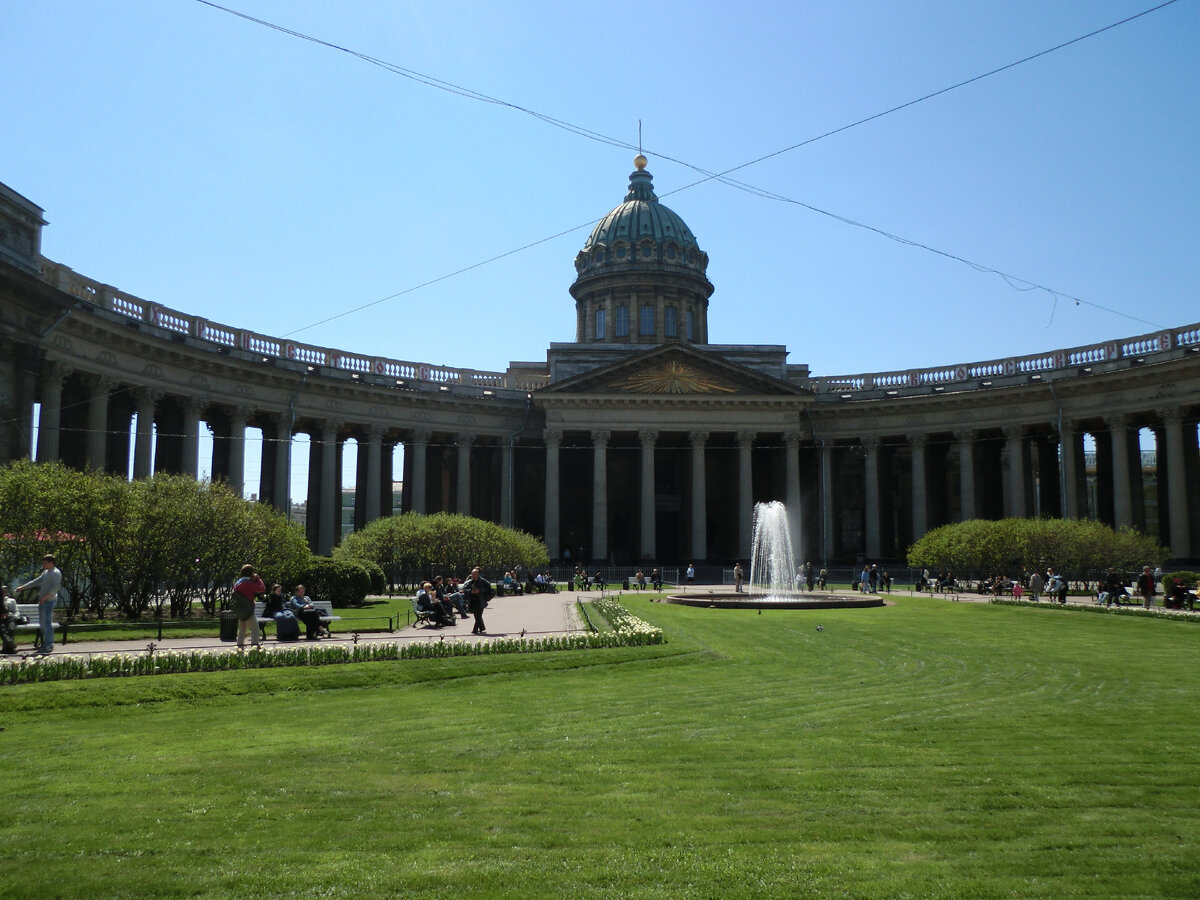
(873, 494)
(1017, 471)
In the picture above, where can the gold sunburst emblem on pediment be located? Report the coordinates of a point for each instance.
(674, 378)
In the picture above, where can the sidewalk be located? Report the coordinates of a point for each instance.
(532, 615)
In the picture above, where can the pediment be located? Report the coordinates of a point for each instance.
(673, 370)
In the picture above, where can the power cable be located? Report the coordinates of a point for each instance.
(1015, 282)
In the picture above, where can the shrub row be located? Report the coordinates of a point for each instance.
(1155, 612)
(121, 665)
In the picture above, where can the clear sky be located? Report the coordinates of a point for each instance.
(228, 170)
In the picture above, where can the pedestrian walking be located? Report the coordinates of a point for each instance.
(245, 590)
(48, 585)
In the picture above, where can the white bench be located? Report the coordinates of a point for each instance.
(30, 611)
(324, 607)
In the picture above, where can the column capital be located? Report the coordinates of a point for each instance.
(375, 433)
(147, 396)
(1014, 432)
(1171, 415)
(195, 405)
(792, 438)
(55, 372)
(601, 438)
(698, 438)
(648, 438)
(1065, 429)
(746, 438)
(1117, 422)
(918, 440)
(964, 435)
(552, 437)
(239, 413)
(870, 444)
(465, 439)
(329, 431)
(421, 435)
(100, 384)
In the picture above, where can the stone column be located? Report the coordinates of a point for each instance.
(50, 419)
(871, 490)
(1014, 475)
(146, 400)
(920, 487)
(283, 465)
(506, 484)
(420, 490)
(966, 474)
(1118, 428)
(745, 507)
(464, 473)
(371, 492)
(826, 501)
(190, 462)
(97, 436)
(237, 449)
(699, 551)
(1176, 489)
(331, 507)
(791, 442)
(552, 439)
(1068, 462)
(648, 439)
(600, 494)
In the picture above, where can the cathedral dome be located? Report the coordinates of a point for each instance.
(641, 260)
(641, 231)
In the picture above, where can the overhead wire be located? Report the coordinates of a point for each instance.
(1013, 281)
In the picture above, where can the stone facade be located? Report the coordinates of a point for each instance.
(649, 451)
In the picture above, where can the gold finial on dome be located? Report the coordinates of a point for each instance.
(639, 162)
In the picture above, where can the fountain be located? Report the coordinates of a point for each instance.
(772, 573)
(772, 563)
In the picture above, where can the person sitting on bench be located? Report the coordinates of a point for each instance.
(299, 604)
(427, 602)
(598, 581)
(655, 580)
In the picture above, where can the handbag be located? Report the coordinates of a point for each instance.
(242, 606)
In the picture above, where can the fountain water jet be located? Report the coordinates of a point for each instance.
(772, 563)
(772, 570)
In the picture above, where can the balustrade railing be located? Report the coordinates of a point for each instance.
(964, 376)
(178, 322)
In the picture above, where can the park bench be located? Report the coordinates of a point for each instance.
(30, 611)
(422, 615)
(324, 607)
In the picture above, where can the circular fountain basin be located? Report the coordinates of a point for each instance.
(782, 600)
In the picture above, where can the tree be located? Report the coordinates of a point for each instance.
(1082, 548)
(414, 546)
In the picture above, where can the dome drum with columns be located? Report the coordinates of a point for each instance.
(648, 447)
(641, 274)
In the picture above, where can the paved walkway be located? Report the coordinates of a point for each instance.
(532, 615)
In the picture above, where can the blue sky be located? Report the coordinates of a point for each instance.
(227, 170)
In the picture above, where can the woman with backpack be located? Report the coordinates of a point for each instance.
(245, 591)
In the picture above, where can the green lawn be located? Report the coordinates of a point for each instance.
(929, 749)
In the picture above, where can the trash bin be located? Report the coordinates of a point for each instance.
(229, 625)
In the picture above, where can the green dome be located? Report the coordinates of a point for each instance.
(642, 234)
(641, 216)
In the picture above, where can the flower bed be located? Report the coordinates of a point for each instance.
(118, 665)
(1155, 612)
(625, 623)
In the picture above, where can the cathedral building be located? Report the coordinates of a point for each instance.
(646, 440)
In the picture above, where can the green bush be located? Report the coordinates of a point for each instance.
(413, 546)
(341, 582)
(1082, 548)
(379, 583)
(1187, 579)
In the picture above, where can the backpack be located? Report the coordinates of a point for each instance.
(287, 626)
